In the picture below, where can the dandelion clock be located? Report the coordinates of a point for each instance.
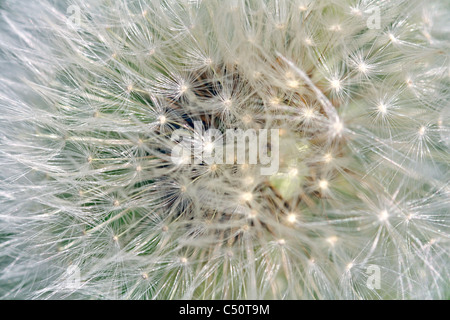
(206, 149)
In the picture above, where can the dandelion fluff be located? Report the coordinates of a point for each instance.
(92, 91)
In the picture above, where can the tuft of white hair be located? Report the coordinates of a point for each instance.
(93, 207)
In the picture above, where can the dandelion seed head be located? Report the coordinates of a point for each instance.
(104, 136)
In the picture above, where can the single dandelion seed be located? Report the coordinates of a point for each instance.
(247, 196)
(291, 218)
(247, 119)
(308, 113)
(183, 89)
(336, 84)
(383, 215)
(363, 67)
(293, 172)
(392, 38)
(409, 82)
(183, 260)
(327, 158)
(332, 240)
(382, 108)
(422, 130)
(338, 127)
(335, 28)
(356, 11)
(162, 119)
(256, 74)
(249, 180)
(275, 101)
(227, 103)
(253, 214)
(308, 41)
(323, 184)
